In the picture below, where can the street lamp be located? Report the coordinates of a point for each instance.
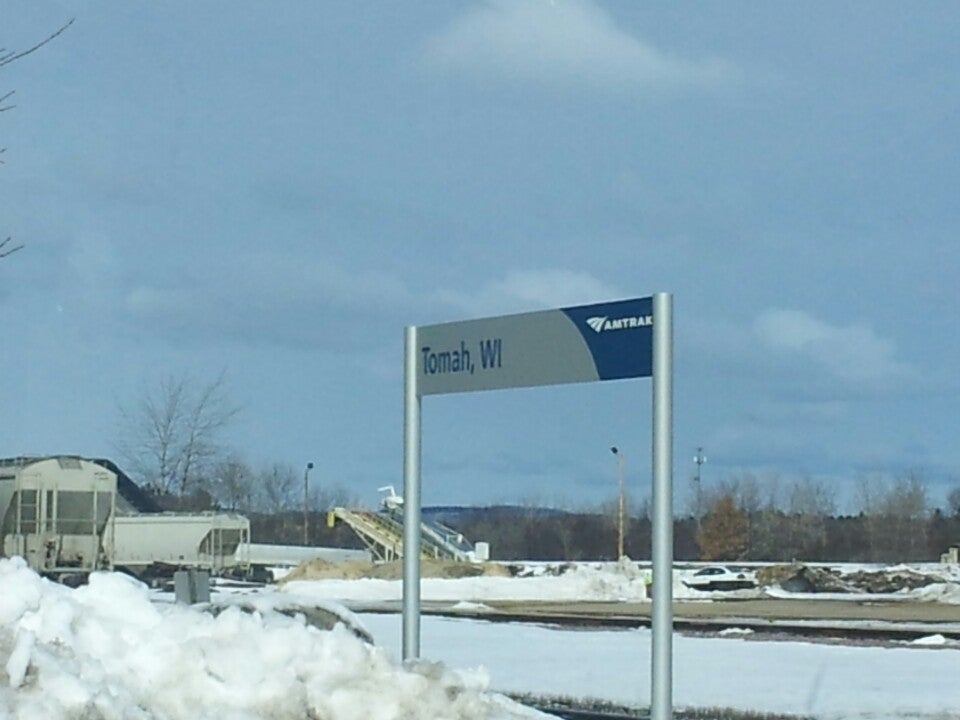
(306, 524)
(619, 456)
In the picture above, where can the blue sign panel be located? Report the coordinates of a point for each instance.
(606, 341)
(619, 335)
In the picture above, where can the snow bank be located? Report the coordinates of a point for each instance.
(584, 582)
(936, 640)
(105, 650)
(948, 593)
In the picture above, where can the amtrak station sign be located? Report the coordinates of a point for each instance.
(608, 341)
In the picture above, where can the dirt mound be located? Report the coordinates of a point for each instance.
(356, 569)
(318, 569)
(439, 569)
(807, 579)
(803, 578)
(891, 580)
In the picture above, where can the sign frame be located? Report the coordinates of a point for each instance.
(661, 372)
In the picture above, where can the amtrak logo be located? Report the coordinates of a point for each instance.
(601, 324)
(596, 323)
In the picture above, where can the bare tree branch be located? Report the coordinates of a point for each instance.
(4, 250)
(7, 57)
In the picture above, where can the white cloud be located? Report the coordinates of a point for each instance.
(525, 290)
(539, 41)
(293, 300)
(853, 352)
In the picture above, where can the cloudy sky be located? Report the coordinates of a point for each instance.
(275, 190)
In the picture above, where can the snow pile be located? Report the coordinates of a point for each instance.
(735, 631)
(936, 640)
(616, 582)
(948, 593)
(104, 650)
(583, 583)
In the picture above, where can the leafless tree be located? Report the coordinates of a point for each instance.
(171, 436)
(766, 523)
(232, 483)
(953, 501)
(6, 58)
(279, 484)
(330, 496)
(896, 512)
(809, 503)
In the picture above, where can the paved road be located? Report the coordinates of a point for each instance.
(760, 609)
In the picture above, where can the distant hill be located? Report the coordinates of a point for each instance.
(454, 514)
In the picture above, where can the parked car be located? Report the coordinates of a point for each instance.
(721, 577)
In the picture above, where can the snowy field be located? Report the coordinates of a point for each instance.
(610, 582)
(114, 649)
(821, 680)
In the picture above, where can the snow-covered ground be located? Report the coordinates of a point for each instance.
(578, 583)
(822, 680)
(114, 649)
(609, 582)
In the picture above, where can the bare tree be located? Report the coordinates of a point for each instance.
(809, 503)
(896, 512)
(171, 436)
(279, 484)
(953, 501)
(766, 523)
(232, 483)
(324, 498)
(6, 58)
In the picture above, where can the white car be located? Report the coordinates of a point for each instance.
(721, 577)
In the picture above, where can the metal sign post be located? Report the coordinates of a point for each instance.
(411, 499)
(606, 341)
(661, 653)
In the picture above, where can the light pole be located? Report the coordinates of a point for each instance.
(699, 459)
(306, 523)
(619, 456)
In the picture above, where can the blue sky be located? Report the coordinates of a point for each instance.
(275, 190)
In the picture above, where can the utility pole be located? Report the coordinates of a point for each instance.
(306, 500)
(619, 455)
(699, 459)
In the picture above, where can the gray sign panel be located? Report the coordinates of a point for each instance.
(606, 341)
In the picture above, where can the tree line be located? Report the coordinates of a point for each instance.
(743, 519)
(171, 441)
